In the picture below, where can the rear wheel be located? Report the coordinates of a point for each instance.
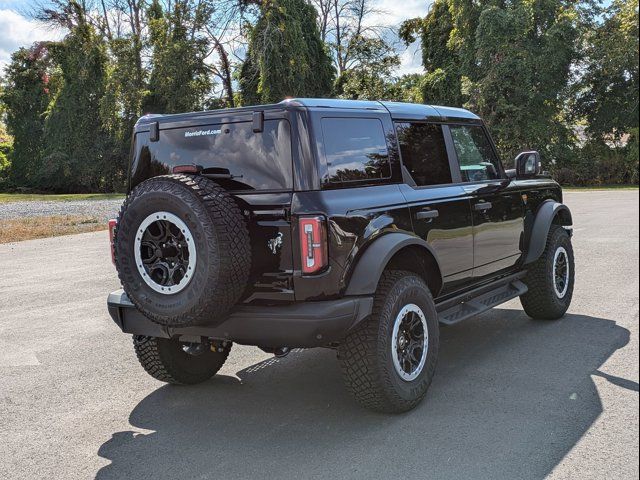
(551, 278)
(389, 360)
(176, 362)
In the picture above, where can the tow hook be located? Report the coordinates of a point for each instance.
(195, 349)
(198, 348)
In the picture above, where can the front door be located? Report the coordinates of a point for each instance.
(440, 210)
(497, 209)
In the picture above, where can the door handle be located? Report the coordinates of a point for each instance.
(427, 214)
(482, 206)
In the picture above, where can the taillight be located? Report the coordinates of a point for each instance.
(185, 169)
(112, 238)
(313, 244)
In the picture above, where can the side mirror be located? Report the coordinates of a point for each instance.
(528, 164)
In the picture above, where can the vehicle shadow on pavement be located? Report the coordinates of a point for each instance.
(510, 398)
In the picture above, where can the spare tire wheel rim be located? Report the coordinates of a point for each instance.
(561, 272)
(409, 342)
(165, 253)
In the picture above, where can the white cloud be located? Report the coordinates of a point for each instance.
(18, 31)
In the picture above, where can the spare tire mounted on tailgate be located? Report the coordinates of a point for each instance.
(182, 250)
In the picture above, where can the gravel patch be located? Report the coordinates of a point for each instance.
(102, 209)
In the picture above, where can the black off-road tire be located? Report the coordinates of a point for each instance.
(541, 302)
(365, 355)
(165, 360)
(221, 241)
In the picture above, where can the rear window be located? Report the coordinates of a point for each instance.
(424, 153)
(356, 149)
(256, 161)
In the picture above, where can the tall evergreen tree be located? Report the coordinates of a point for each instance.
(285, 56)
(26, 96)
(74, 135)
(179, 80)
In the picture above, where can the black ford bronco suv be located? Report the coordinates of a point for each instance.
(354, 225)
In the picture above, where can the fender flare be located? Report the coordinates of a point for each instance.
(548, 211)
(371, 264)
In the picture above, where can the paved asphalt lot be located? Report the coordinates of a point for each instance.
(512, 398)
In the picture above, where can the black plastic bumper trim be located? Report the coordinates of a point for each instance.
(308, 324)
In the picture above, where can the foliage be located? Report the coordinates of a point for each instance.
(509, 63)
(371, 77)
(555, 75)
(6, 148)
(608, 91)
(599, 164)
(285, 57)
(179, 79)
(75, 162)
(26, 96)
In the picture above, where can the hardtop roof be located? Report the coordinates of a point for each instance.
(398, 110)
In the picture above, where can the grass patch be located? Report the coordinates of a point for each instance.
(63, 197)
(19, 229)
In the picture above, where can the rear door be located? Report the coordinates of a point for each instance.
(440, 209)
(498, 210)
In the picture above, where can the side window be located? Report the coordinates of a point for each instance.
(424, 153)
(477, 159)
(356, 149)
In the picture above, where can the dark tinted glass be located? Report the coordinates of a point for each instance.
(424, 153)
(356, 149)
(260, 161)
(477, 160)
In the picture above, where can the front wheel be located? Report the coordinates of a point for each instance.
(551, 278)
(388, 361)
(177, 362)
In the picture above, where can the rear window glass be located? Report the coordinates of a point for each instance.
(356, 149)
(424, 153)
(256, 161)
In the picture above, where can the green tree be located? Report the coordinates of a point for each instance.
(608, 90)
(179, 79)
(509, 62)
(442, 83)
(371, 77)
(75, 140)
(285, 56)
(26, 95)
(121, 105)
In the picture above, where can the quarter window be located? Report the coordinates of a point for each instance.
(477, 159)
(356, 149)
(424, 153)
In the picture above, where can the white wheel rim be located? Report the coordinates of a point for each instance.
(409, 315)
(561, 272)
(184, 239)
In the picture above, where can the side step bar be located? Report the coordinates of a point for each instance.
(480, 299)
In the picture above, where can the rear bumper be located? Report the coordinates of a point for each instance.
(308, 324)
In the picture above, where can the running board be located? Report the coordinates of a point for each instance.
(478, 302)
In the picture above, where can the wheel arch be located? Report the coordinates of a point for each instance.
(397, 251)
(549, 213)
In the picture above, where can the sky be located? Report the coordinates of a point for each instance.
(18, 30)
